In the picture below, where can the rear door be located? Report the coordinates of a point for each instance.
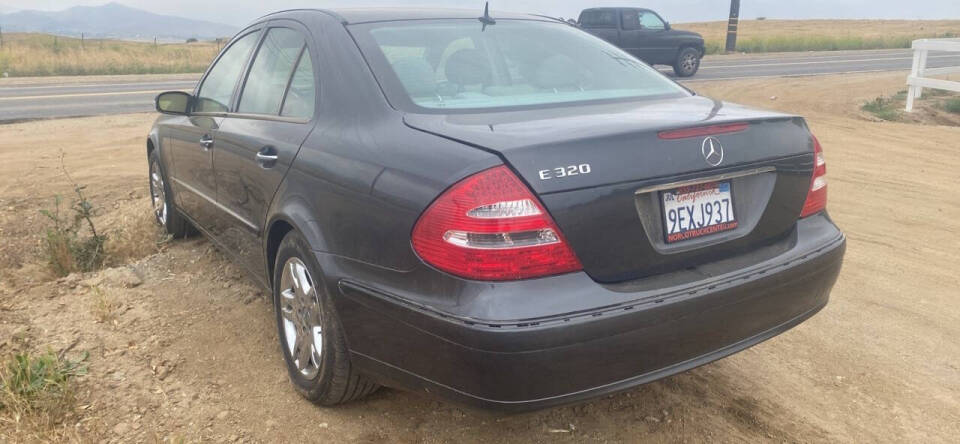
(257, 143)
(191, 138)
(603, 23)
(631, 36)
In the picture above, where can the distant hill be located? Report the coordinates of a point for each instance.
(112, 20)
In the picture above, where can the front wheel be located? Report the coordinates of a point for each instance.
(687, 63)
(312, 340)
(164, 211)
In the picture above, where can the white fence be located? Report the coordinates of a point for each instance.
(918, 79)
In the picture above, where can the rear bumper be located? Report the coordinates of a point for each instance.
(538, 363)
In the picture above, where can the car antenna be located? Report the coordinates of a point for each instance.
(486, 19)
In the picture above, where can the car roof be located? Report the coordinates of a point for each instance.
(366, 15)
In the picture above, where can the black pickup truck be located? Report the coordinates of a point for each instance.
(646, 35)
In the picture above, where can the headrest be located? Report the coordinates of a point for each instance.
(558, 71)
(468, 67)
(416, 75)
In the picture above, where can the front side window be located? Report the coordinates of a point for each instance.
(649, 20)
(456, 64)
(217, 89)
(271, 70)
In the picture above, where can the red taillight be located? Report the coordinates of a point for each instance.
(703, 131)
(489, 226)
(817, 194)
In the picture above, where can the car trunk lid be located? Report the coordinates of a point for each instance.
(601, 171)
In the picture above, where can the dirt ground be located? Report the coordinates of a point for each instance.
(189, 352)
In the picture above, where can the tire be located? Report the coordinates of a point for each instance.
(164, 210)
(306, 317)
(687, 63)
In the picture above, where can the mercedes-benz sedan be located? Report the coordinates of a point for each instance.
(502, 209)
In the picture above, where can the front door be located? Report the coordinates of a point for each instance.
(190, 140)
(257, 143)
(193, 141)
(645, 36)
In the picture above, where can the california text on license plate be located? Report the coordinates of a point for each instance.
(698, 210)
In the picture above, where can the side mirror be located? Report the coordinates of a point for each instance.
(174, 102)
(666, 26)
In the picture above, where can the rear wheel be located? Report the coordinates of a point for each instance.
(164, 210)
(687, 63)
(310, 334)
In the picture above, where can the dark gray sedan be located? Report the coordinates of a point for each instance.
(503, 209)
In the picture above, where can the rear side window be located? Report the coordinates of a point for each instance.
(217, 89)
(302, 94)
(270, 73)
(599, 19)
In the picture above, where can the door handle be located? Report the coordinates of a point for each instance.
(206, 142)
(267, 157)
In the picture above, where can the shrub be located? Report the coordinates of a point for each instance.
(73, 243)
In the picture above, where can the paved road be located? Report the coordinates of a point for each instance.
(814, 63)
(30, 101)
(24, 101)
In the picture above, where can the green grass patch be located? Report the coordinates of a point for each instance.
(38, 387)
(952, 105)
(885, 108)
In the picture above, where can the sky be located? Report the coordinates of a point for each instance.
(239, 12)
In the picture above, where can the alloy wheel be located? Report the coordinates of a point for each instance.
(158, 193)
(302, 317)
(689, 63)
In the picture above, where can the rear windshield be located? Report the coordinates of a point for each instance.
(459, 65)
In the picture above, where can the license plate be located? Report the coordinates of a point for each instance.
(698, 210)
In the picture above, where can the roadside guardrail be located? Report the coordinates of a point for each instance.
(918, 75)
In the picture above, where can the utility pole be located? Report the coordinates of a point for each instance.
(1, 36)
(81, 40)
(732, 25)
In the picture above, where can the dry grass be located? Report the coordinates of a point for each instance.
(136, 233)
(105, 308)
(25, 54)
(822, 35)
